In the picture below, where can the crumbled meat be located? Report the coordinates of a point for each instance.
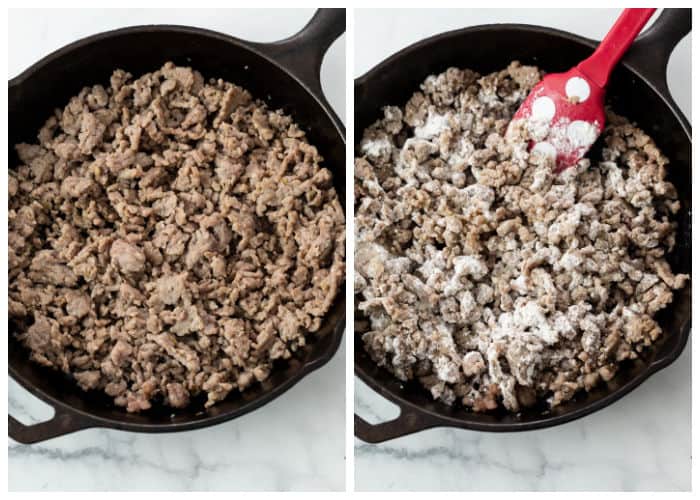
(129, 258)
(487, 277)
(178, 396)
(78, 304)
(169, 238)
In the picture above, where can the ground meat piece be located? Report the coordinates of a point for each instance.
(473, 364)
(46, 267)
(178, 396)
(472, 253)
(38, 336)
(170, 288)
(187, 320)
(91, 130)
(170, 237)
(120, 353)
(88, 379)
(128, 257)
(78, 304)
(75, 187)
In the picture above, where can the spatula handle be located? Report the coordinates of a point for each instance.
(599, 65)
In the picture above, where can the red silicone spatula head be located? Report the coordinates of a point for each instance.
(564, 112)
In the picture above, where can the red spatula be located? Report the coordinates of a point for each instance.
(564, 112)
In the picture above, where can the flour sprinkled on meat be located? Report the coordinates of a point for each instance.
(487, 277)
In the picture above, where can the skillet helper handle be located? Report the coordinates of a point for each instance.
(406, 423)
(302, 54)
(650, 54)
(60, 424)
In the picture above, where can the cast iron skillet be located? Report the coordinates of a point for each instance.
(638, 90)
(287, 75)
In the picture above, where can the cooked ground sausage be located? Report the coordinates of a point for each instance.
(170, 236)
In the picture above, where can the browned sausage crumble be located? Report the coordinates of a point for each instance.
(487, 277)
(170, 237)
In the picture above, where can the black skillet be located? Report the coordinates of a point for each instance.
(637, 90)
(287, 75)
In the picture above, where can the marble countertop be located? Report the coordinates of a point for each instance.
(641, 442)
(274, 448)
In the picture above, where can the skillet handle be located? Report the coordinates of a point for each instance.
(302, 54)
(649, 55)
(406, 423)
(60, 424)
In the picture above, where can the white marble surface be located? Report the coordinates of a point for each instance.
(296, 442)
(642, 442)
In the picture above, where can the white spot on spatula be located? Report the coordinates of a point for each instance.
(577, 89)
(543, 109)
(544, 149)
(581, 134)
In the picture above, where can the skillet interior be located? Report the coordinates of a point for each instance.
(491, 48)
(51, 82)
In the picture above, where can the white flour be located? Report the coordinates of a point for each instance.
(433, 126)
(461, 153)
(377, 147)
(528, 318)
(566, 137)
